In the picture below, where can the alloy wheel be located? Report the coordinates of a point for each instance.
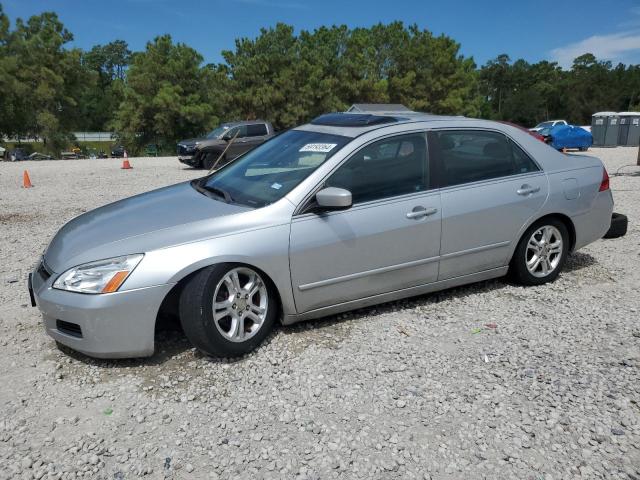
(240, 304)
(544, 251)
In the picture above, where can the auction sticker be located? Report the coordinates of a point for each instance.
(318, 147)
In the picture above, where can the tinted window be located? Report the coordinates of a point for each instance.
(232, 132)
(471, 155)
(271, 170)
(257, 130)
(390, 167)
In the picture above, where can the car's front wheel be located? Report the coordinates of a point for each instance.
(541, 253)
(209, 160)
(227, 310)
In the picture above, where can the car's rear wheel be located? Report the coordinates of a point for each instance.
(541, 253)
(227, 310)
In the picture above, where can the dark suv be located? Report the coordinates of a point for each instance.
(205, 152)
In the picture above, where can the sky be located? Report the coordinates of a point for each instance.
(557, 31)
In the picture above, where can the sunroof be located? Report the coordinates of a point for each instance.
(352, 119)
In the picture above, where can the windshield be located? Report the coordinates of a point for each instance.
(217, 132)
(271, 170)
(544, 125)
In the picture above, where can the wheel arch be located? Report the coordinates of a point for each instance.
(565, 219)
(168, 311)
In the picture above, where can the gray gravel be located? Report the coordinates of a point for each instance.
(485, 381)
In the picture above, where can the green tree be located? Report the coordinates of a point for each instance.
(45, 80)
(264, 74)
(165, 96)
(427, 73)
(106, 66)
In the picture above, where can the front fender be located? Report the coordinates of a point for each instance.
(266, 249)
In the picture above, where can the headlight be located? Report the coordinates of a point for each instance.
(103, 276)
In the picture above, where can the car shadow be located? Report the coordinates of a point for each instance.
(171, 342)
(579, 260)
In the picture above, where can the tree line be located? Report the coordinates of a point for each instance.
(166, 92)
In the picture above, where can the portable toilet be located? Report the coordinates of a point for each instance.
(611, 135)
(631, 127)
(599, 127)
(623, 128)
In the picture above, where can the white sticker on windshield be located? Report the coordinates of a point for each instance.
(318, 147)
(276, 185)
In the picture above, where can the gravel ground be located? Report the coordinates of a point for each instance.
(485, 381)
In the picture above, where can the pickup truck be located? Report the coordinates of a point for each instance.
(239, 137)
(548, 124)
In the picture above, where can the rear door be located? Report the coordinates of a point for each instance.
(490, 189)
(388, 240)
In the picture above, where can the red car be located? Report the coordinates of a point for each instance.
(530, 132)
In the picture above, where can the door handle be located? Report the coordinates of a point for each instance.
(527, 190)
(419, 212)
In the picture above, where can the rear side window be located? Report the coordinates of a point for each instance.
(257, 130)
(467, 156)
(386, 168)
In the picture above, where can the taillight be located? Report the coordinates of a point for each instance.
(604, 185)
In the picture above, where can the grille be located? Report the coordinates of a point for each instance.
(68, 328)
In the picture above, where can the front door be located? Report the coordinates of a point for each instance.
(490, 190)
(388, 240)
(255, 135)
(237, 146)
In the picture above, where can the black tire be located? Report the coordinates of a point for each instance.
(197, 313)
(209, 159)
(618, 228)
(518, 267)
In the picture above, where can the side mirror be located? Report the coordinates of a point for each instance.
(333, 198)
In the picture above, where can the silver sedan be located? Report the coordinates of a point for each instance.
(347, 211)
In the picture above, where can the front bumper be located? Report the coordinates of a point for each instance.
(113, 325)
(191, 160)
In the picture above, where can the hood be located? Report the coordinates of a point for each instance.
(152, 220)
(190, 142)
(210, 142)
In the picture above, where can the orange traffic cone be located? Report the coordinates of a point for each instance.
(125, 163)
(26, 181)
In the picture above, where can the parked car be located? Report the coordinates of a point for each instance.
(567, 136)
(94, 153)
(18, 154)
(117, 151)
(39, 156)
(229, 140)
(548, 124)
(344, 212)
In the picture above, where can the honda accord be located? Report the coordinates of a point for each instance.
(347, 211)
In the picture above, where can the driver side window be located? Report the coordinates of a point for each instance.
(241, 131)
(386, 168)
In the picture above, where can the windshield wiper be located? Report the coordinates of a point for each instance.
(220, 192)
(205, 189)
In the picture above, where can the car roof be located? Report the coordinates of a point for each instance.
(355, 124)
(242, 122)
